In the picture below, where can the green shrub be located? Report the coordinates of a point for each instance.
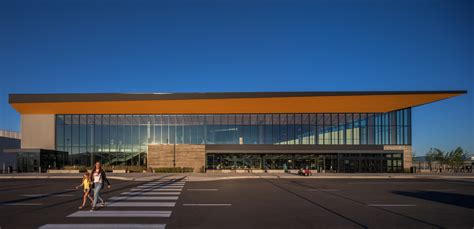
(174, 170)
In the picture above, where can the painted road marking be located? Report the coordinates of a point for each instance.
(165, 214)
(155, 190)
(391, 205)
(102, 226)
(203, 189)
(162, 188)
(390, 182)
(323, 190)
(45, 195)
(34, 195)
(159, 185)
(156, 186)
(144, 198)
(150, 193)
(140, 204)
(207, 205)
(440, 190)
(177, 182)
(21, 204)
(168, 186)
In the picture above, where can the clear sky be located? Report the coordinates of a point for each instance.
(229, 45)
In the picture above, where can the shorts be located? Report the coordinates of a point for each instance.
(86, 190)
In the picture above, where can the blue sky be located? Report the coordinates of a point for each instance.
(227, 45)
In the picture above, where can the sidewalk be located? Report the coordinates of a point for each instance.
(227, 176)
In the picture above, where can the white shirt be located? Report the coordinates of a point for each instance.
(97, 177)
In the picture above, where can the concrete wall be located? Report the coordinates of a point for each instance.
(407, 154)
(37, 131)
(161, 156)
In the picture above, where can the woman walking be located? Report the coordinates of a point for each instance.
(99, 178)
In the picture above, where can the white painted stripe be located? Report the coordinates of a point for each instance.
(156, 189)
(158, 183)
(151, 193)
(102, 226)
(45, 195)
(34, 195)
(121, 214)
(392, 205)
(203, 189)
(323, 190)
(144, 198)
(165, 185)
(140, 204)
(168, 185)
(178, 182)
(153, 188)
(70, 189)
(21, 204)
(208, 205)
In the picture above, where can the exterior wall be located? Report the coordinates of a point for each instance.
(8, 159)
(407, 154)
(161, 156)
(37, 131)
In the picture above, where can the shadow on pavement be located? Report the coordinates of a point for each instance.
(456, 199)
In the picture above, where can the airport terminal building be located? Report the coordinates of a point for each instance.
(325, 131)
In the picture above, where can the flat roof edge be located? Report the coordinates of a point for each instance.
(109, 97)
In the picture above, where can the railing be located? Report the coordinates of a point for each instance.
(10, 134)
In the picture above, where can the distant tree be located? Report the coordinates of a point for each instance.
(430, 158)
(440, 157)
(457, 158)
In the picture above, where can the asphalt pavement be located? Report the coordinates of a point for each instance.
(175, 202)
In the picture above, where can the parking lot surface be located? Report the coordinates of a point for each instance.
(242, 203)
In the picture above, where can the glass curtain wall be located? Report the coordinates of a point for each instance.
(328, 162)
(123, 139)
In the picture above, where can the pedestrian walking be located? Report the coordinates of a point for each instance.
(99, 178)
(86, 184)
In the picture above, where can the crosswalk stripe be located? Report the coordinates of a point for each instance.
(150, 193)
(155, 190)
(45, 195)
(144, 198)
(203, 189)
(141, 204)
(102, 226)
(160, 185)
(165, 214)
(178, 182)
(155, 183)
(20, 204)
(170, 185)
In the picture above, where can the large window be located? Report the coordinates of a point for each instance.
(327, 162)
(122, 139)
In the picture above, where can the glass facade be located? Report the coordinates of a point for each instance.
(123, 139)
(327, 162)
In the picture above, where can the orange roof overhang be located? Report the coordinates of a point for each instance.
(325, 103)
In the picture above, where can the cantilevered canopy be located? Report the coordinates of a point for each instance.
(225, 103)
